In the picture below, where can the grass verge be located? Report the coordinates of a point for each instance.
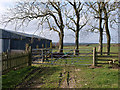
(12, 78)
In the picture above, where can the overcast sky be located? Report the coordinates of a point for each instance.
(85, 37)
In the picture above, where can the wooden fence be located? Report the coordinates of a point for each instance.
(13, 62)
(104, 58)
(16, 61)
(67, 57)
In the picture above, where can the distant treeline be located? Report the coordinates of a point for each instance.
(71, 44)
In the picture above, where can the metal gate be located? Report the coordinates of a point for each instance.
(68, 57)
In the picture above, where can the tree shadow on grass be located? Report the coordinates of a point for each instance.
(38, 76)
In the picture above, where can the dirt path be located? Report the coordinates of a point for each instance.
(71, 81)
(36, 78)
(31, 78)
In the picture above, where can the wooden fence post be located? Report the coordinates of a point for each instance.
(42, 55)
(94, 56)
(46, 45)
(7, 54)
(42, 45)
(26, 47)
(37, 47)
(30, 56)
(50, 45)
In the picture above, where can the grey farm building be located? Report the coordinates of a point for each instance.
(11, 40)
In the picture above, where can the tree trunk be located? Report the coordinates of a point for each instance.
(101, 32)
(77, 40)
(101, 37)
(107, 31)
(61, 36)
(76, 52)
(76, 43)
(108, 37)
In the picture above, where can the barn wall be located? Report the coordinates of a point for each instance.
(48, 43)
(18, 44)
(6, 34)
(14, 41)
(1, 41)
(40, 42)
(36, 42)
(5, 44)
(0, 34)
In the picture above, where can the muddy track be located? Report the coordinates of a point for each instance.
(62, 77)
(71, 80)
(67, 78)
(27, 80)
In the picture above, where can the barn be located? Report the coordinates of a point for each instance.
(11, 40)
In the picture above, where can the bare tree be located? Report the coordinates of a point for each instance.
(108, 8)
(74, 20)
(26, 11)
(96, 10)
(58, 19)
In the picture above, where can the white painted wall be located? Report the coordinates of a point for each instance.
(0, 60)
(0, 45)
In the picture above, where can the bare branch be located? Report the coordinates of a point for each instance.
(53, 4)
(71, 28)
(83, 25)
(92, 6)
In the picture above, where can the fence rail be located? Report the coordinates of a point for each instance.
(67, 57)
(104, 58)
(109, 56)
(106, 53)
(51, 57)
(14, 61)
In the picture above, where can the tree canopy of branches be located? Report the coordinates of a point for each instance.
(52, 14)
(108, 8)
(74, 20)
(26, 11)
(55, 10)
(105, 10)
(97, 12)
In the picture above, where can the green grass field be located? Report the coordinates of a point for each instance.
(49, 77)
(62, 76)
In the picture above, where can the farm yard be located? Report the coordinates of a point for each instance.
(59, 44)
(66, 73)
